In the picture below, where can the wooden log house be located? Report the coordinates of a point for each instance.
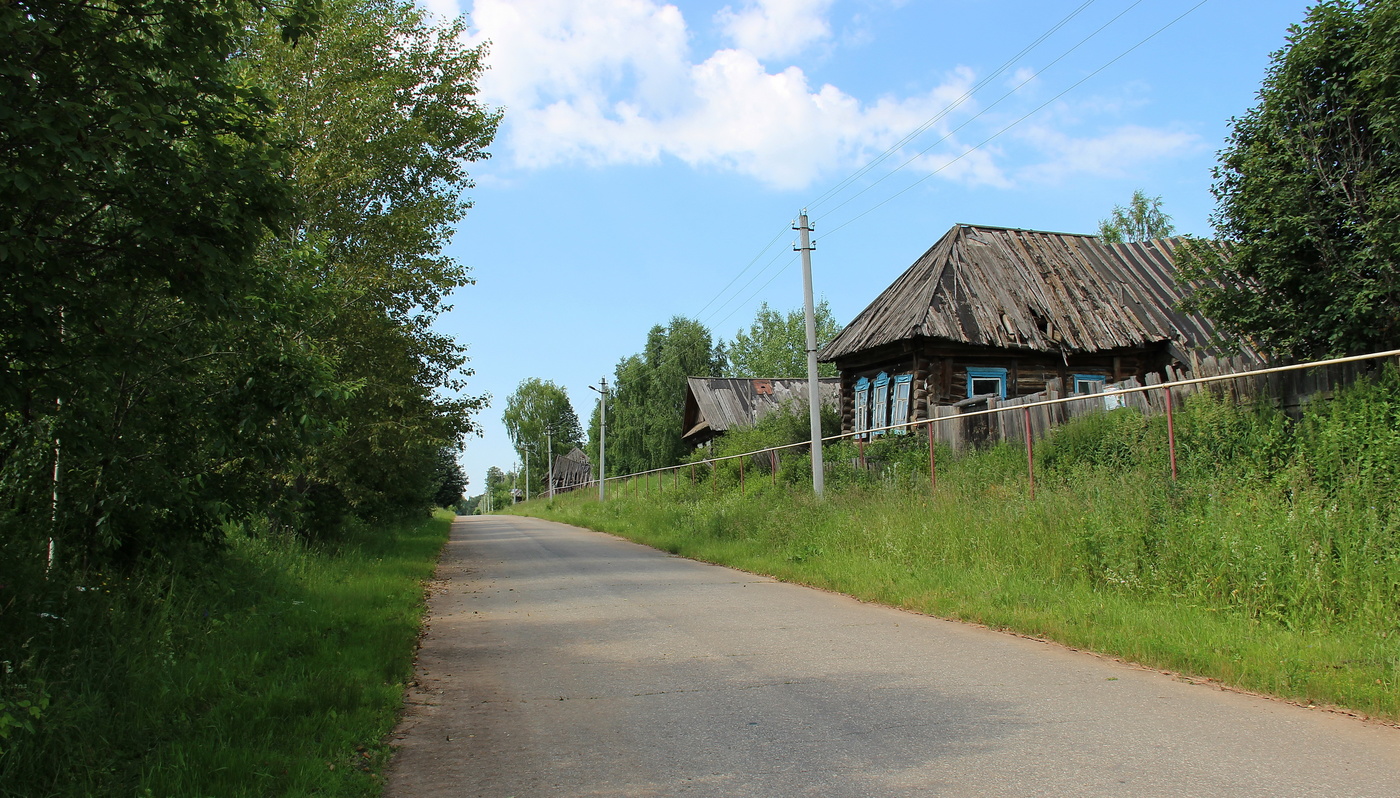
(995, 311)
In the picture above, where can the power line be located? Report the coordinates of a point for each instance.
(901, 143)
(743, 271)
(1027, 115)
(974, 117)
(741, 288)
(760, 289)
(931, 121)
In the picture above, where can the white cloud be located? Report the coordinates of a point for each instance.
(615, 82)
(776, 28)
(1117, 153)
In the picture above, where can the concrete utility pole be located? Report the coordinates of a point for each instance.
(549, 439)
(813, 386)
(527, 447)
(602, 436)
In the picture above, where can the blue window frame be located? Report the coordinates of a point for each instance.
(880, 404)
(862, 422)
(899, 405)
(981, 380)
(1089, 383)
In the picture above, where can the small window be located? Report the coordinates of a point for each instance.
(899, 407)
(1089, 383)
(880, 404)
(862, 421)
(981, 381)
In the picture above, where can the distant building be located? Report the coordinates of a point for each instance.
(715, 405)
(571, 471)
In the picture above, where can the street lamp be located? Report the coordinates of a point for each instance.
(602, 435)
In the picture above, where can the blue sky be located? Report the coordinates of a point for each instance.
(651, 151)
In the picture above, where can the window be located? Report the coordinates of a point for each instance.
(899, 408)
(982, 381)
(880, 404)
(1089, 383)
(862, 422)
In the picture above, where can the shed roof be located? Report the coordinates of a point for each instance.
(1029, 289)
(717, 404)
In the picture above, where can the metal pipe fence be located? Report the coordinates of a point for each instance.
(860, 437)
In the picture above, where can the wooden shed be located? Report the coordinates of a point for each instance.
(572, 470)
(715, 405)
(999, 311)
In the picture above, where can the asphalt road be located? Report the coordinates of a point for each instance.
(564, 662)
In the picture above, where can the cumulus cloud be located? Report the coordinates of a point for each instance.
(776, 28)
(616, 82)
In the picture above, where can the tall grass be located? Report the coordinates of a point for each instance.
(1272, 563)
(273, 668)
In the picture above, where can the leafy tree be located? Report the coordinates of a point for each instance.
(1308, 188)
(138, 332)
(535, 407)
(1141, 220)
(775, 345)
(648, 400)
(381, 109)
(453, 481)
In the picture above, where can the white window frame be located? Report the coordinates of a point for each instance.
(880, 404)
(899, 402)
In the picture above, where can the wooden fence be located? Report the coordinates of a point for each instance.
(1289, 391)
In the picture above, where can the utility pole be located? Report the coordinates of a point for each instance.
(602, 436)
(813, 386)
(549, 439)
(527, 447)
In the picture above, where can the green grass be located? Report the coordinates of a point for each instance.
(274, 668)
(1272, 564)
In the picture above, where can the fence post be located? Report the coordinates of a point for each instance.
(860, 448)
(1171, 432)
(773, 460)
(1030, 457)
(714, 479)
(932, 466)
(692, 475)
(741, 477)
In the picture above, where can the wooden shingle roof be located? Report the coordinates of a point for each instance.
(714, 405)
(1028, 289)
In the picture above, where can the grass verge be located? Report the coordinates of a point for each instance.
(273, 668)
(1271, 565)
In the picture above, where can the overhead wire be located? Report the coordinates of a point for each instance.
(1019, 120)
(743, 271)
(994, 104)
(892, 149)
(954, 105)
(757, 275)
(923, 127)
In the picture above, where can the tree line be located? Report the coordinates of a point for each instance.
(646, 397)
(222, 228)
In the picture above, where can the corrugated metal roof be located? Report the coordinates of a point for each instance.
(1028, 289)
(719, 404)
